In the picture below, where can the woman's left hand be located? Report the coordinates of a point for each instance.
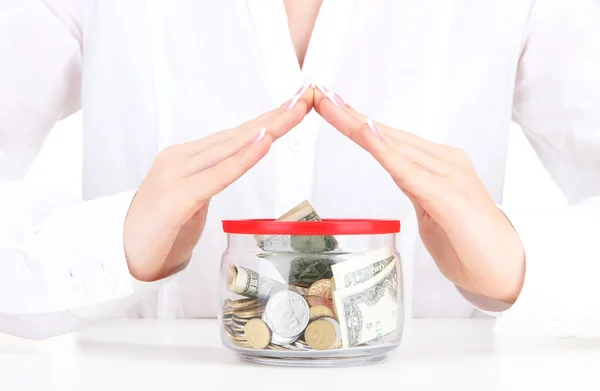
(472, 242)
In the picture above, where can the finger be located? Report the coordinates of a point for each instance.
(398, 137)
(194, 147)
(407, 174)
(421, 158)
(305, 94)
(197, 146)
(282, 123)
(212, 181)
(336, 116)
(220, 151)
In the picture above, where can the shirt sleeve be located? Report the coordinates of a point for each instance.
(60, 258)
(557, 104)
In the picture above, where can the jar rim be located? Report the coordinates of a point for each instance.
(324, 227)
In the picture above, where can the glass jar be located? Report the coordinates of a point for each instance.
(316, 293)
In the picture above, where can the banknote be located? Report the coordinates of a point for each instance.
(361, 267)
(249, 283)
(300, 243)
(369, 311)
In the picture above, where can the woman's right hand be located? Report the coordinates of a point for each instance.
(167, 215)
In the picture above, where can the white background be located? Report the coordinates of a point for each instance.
(527, 183)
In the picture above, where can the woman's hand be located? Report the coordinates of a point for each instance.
(468, 236)
(167, 215)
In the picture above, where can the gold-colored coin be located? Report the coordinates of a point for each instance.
(236, 337)
(318, 300)
(227, 321)
(240, 320)
(322, 334)
(321, 288)
(242, 344)
(257, 333)
(251, 313)
(243, 303)
(320, 311)
(331, 290)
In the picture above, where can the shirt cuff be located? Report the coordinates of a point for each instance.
(141, 290)
(560, 290)
(83, 253)
(491, 307)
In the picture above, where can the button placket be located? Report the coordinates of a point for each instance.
(298, 144)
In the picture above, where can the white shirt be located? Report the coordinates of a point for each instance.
(148, 74)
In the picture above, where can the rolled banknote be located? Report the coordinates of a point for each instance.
(301, 243)
(359, 270)
(249, 283)
(369, 311)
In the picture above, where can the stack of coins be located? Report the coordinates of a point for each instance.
(285, 321)
(236, 315)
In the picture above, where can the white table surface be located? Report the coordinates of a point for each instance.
(187, 355)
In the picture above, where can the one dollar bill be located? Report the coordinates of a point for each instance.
(369, 311)
(300, 243)
(247, 282)
(360, 270)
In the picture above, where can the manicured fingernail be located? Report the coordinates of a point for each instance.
(373, 127)
(260, 135)
(339, 103)
(292, 102)
(339, 99)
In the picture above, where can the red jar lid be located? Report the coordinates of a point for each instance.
(325, 227)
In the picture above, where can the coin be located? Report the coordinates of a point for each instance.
(301, 346)
(238, 329)
(320, 311)
(251, 313)
(317, 300)
(228, 321)
(281, 341)
(239, 320)
(226, 316)
(257, 333)
(242, 344)
(243, 303)
(287, 314)
(233, 335)
(321, 288)
(332, 288)
(323, 334)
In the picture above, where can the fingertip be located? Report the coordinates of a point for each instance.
(318, 98)
(308, 98)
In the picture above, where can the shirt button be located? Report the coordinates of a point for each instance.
(78, 287)
(297, 144)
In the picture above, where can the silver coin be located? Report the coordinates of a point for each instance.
(278, 339)
(287, 314)
(281, 341)
(301, 346)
